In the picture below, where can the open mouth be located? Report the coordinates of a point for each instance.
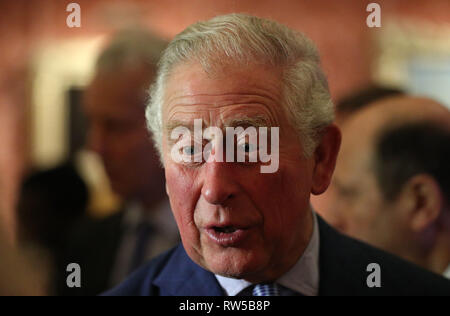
(225, 230)
(227, 235)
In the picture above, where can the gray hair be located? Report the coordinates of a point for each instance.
(243, 39)
(131, 48)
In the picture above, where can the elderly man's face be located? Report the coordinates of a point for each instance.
(233, 219)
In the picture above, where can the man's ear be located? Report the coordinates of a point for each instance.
(325, 159)
(424, 198)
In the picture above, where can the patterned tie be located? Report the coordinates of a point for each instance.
(266, 289)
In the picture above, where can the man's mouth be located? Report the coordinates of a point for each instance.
(227, 235)
(225, 229)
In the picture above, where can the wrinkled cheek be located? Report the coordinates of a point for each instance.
(182, 195)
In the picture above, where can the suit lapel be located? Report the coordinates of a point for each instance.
(182, 277)
(341, 269)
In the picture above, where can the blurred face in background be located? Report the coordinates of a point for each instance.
(114, 104)
(355, 203)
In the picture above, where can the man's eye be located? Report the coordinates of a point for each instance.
(247, 147)
(189, 150)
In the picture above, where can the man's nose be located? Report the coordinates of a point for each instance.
(219, 184)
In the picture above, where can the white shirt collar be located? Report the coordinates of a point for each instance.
(302, 278)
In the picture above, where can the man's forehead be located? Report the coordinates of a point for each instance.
(191, 94)
(354, 162)
(191, 80)
(223, 107)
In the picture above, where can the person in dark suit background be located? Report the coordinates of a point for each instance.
(391, 184)
(245, 231)
(108, 249)
(50, 202)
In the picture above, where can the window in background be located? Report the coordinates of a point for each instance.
(430, 77)
(414, 56)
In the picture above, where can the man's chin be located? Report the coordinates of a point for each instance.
(232, 263)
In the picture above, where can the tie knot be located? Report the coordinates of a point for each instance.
(266, 289)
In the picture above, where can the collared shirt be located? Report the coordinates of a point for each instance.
(164, 236)
(302, 278)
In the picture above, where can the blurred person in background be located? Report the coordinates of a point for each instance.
(345, 108)
(114, 102)
(50, 202)
(391, 187)
(355, 101)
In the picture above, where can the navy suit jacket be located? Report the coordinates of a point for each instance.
(342, 264)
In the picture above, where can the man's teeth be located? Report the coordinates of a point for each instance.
(226, 230)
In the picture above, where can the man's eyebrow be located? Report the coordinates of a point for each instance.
(170, 126)
(255, 121)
